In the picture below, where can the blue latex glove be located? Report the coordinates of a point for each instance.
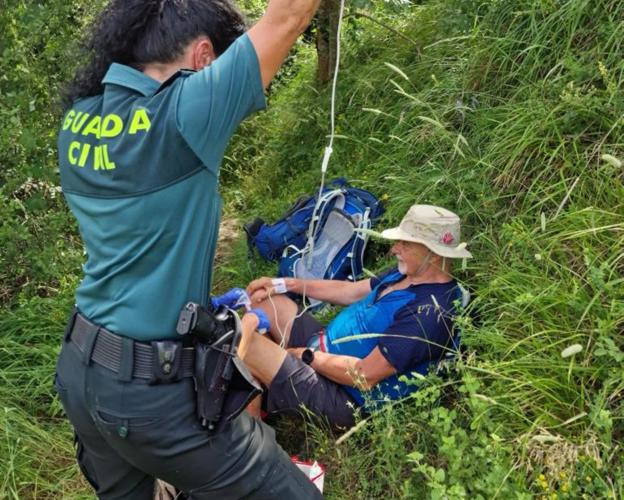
(264, 324)
(234, 298)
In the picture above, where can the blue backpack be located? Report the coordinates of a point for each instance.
(319, 240)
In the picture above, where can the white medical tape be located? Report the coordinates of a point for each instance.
(279, 285)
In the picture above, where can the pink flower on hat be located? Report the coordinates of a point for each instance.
(447, 238)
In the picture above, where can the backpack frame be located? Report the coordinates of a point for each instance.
(298, 240)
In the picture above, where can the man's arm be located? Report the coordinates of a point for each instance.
(348, 370)
(276, 32)
(337, 292)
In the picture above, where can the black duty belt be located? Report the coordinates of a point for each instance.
(107, 349)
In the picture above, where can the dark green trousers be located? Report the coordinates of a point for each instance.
(130, 432)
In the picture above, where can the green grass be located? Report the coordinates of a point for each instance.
(509, 112)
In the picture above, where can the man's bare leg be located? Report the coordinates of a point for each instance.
(263, 357)
(281, 312)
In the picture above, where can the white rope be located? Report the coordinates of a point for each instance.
(329, 149)
(335, 81)
(312, 229)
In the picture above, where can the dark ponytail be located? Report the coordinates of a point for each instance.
(137, 32)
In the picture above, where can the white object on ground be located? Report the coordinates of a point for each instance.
(314, 471)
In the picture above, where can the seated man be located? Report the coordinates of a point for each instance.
(395, 324)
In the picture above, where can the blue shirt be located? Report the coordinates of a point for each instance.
(412, 327)
(139, 168)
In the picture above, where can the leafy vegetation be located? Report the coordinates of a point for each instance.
(509, 112)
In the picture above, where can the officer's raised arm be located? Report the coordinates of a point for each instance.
(276, 32)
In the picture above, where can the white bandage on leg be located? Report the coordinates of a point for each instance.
(279, 285)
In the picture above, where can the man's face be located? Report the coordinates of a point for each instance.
(410, 256)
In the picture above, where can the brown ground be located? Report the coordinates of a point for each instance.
(228, 233)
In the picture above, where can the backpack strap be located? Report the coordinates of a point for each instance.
(301, 202)
(318, 215)
(365, 223)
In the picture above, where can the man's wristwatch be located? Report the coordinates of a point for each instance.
(307, 356)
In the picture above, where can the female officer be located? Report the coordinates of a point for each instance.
(164, 85)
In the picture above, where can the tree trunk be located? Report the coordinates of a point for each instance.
(326, 38)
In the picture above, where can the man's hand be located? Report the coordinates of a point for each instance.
(261, 288)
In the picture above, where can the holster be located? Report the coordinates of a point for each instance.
(224, 385)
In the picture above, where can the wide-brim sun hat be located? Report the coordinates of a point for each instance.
(435, 227)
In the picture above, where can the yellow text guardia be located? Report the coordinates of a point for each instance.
(108, 126)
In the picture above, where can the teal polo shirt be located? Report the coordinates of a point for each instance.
(139, 169)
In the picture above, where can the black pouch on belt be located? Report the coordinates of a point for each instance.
(166, 361)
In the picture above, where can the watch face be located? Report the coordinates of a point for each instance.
(307, 356)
